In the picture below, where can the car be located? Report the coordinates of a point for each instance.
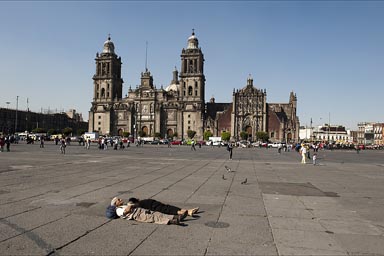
(276, 144)
(176, 142)
(155, 142)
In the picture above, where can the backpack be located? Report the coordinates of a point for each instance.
(228, 148)
(110, 212)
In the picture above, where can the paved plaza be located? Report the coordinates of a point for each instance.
(54, 204)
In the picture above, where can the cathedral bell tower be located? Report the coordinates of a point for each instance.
(192, 87)
(108, 86)
(192, 71)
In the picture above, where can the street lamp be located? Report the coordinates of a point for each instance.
(17, 106)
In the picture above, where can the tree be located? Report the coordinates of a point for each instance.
(52, 131)
(38, 130)
(225, 136)
(191, 134)
(142, 133)
(262, 136)
(244, 135)
(207, 134)
(81, 131)
(157, 135)
(175, 135)
(126, 134)
(67, 130)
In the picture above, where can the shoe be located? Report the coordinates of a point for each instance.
(193, 211)
(181, 217)
(175, 220)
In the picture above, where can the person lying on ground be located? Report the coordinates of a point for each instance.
(154, 205)
(132, 212)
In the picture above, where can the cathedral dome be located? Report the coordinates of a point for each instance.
(193, 42)
(109, 47)
(172, 87)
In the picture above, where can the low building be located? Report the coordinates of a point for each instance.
(378, 133)
(14, 121)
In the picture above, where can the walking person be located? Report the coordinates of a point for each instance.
(314, 158)
(193, 145)
(2, 143)
(42, 142)
(63, 145)
(230, 149)
(303, 151)
(8, 143)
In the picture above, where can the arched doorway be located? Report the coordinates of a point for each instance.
(120, 132)
(145, 130)
(169, 133)
(248, 130)
(289, 137)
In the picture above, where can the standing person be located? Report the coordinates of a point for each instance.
(314, 158)
(230, 149)
(62, 146)
(303, 151)
(8, 143)
(2, 143)
(193, 145)
(41, 141)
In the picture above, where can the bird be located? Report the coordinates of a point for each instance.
(227, 168)
(224, 177)
(245, 181)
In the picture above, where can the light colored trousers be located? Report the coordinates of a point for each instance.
(144, 215)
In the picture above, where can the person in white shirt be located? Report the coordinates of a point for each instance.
(303, 150)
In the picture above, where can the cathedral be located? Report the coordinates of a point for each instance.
(173, 111)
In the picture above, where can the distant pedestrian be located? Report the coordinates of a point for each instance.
(63, 145)
(8, 143)
(41, 142)
(303, 151)
(2, 143)
(314, 158)
(193, 145)
(279, 148)
(230, 149)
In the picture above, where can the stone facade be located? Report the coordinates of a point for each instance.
(249, 111)
(180, 107)
(15, 121)
(283, 123)
(148, 110)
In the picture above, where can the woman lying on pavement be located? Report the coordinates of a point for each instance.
(154, 205)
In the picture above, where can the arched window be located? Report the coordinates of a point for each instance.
(190, 90)
(102, 92)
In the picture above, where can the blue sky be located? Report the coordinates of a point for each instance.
(330, 53)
